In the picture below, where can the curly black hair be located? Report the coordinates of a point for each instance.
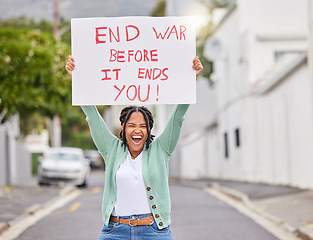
(125, 115)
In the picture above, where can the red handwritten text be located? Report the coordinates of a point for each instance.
(132, 55)
(106, 71)
(178, 34)
(133, 92)
(152, 73)
(131, 33)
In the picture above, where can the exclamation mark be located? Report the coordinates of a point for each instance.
(158, 92)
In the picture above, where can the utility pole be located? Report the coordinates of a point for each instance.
(310, 40)
(56, 19)
(56, 122)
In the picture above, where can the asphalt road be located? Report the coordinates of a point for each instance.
(195, 214)
(198, 215)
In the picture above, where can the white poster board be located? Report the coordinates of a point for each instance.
(133, 60)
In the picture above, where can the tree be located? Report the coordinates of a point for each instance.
(34, 82)
(206, 32)
(203, 35)
(159, 9)
(32, 76)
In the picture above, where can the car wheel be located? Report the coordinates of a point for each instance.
(43, 184)
(84, 184)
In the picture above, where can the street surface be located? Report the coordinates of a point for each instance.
(195, 214)
(198, 215)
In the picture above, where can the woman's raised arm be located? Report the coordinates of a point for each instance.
(100, 133)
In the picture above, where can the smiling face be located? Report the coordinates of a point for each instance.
(136, 133)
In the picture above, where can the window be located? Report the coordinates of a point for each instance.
(237, 137)
(280, 54)
(226, 145)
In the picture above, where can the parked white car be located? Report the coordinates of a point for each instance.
(64, 164)
(94, 157)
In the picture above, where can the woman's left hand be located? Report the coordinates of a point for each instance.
(197, 66)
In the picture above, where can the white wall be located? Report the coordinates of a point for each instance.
(3, 162)
(300, 125)
(198, 140)
(282, 26)
(275, 127)
(193, 159)
(276, 131)
(273, 16)
(203, 113)
(15, 160)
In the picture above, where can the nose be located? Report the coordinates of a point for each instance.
(137, 130)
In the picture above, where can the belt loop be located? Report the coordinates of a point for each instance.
(118, 220)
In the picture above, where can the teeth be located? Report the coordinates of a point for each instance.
(139, 137)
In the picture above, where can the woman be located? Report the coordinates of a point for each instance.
(136, 201)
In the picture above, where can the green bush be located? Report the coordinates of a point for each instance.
(35, 162)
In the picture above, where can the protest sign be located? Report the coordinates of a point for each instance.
(133, 60)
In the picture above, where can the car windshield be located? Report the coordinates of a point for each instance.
(63, 156)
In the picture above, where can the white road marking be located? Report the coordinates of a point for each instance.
(21, 224)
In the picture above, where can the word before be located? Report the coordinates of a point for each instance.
(139, 55)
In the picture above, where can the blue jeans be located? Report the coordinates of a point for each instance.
(117, 231)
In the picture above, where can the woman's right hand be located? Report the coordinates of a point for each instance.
(70, 66)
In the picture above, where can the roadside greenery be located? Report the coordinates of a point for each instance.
(159, 9)
(26, 71)
(32, 72)
(33, 80)
(205, 32)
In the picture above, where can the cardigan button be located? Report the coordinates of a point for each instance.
(148, 188)
(157, 215)
(160, 224)
(151, 197)
(153, 206)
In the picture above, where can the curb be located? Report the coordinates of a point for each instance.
(305, 234)
(301, 233)
(32, 210)
(3, 227)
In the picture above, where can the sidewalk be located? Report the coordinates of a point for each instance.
(24, 199)
(288, 207)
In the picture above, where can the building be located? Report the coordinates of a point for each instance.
(262, 54)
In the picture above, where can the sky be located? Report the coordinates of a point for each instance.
(43, 9)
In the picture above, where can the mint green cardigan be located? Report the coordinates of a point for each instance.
(154, 164)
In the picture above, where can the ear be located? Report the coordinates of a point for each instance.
(122, 128)
(121, 131)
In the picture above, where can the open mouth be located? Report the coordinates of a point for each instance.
(136, 139)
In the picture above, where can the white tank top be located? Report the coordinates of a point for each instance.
(131, 196)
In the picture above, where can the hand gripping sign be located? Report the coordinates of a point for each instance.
(133, 60)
